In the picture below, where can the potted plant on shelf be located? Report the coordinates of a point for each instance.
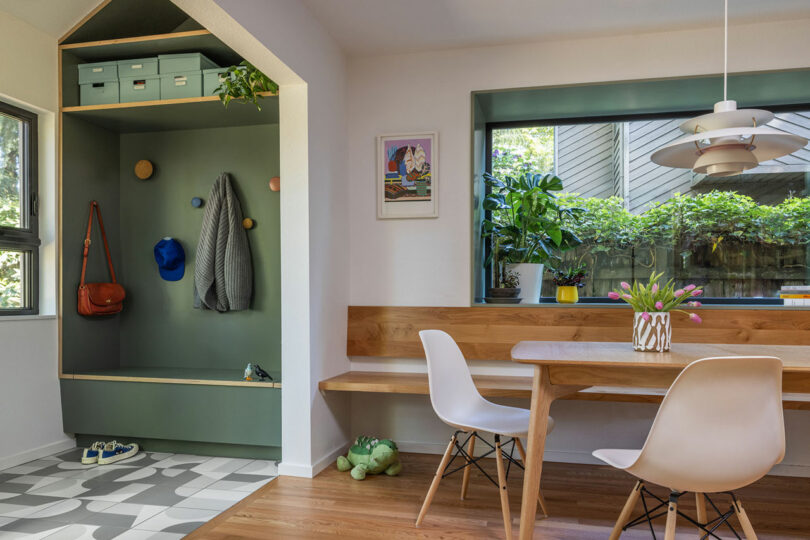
(505, 289)
(244, 84)
(568, 280)
(526, 223)
(652, 327)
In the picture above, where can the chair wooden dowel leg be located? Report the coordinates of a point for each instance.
(627, 510)
(465, 479)
(436, 480)
(540, 499)
(672, 517)
(507, 518)
(700, 501)
(748, 530)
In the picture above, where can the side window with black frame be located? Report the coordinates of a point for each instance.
(19, 224)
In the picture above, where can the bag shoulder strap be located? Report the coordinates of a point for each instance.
(94, 206)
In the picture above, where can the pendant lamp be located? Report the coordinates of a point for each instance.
(727, 141)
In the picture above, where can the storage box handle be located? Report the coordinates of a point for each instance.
(98, 85)
(139, 84)
(180, 80)
(98, 69)
(136, 66)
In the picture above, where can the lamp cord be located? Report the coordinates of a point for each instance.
(725, 52)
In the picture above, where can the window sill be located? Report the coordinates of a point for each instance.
(553, 305)
(4, 318)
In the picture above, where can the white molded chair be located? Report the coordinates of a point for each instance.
(719, 428)
(458, 403)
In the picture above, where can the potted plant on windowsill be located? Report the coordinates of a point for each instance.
(568, 281)
(652, 326)
(525, 225)
(505, 289)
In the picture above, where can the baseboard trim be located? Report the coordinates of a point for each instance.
(36, 453)
(302, 470)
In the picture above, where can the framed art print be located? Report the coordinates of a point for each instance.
(407, 174)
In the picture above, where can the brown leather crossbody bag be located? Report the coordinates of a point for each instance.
(97, 299)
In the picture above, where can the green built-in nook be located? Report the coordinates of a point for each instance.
(162, 372)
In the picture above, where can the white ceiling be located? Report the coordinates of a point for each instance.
(372, 27)
(54, 17)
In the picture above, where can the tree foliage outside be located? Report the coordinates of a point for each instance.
(10, 178)
(517, 151)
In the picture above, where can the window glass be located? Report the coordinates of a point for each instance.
(11, 279)
(11, 171)
(743, 237)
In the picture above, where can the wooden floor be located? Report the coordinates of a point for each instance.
(583, 500)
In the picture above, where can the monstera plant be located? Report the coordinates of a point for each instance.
(526, 223)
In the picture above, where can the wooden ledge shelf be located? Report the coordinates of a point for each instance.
(504, 387)
(195, 376)
(176, 114)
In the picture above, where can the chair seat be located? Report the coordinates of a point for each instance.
(494, 418)
(621, 459)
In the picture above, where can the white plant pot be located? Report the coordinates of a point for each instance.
(653, 335)
(530, 279)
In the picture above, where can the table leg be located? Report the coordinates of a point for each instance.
(542, 396)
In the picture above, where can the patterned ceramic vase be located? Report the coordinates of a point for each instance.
(653, 335)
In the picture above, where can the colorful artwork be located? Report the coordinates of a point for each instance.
(408, 176)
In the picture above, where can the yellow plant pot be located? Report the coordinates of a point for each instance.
(567, 295)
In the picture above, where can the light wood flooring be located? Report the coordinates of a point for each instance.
(584, 501)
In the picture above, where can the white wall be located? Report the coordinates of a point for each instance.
(30, 409)
(427, 262)
(286, 42)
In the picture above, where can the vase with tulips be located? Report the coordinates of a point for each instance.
(653, 303)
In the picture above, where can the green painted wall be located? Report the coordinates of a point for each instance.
(159, 326)
(90, 163)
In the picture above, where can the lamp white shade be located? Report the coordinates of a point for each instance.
(726, 115)
(763, 142)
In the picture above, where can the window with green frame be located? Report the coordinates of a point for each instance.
(19, 226)
(743, 237)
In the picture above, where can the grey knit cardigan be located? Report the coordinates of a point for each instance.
(223, 274)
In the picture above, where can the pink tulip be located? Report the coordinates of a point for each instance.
(694, 304)
(645, 316)
(695, 318)
(697, 293)
(659, 305)
(627, 296)
(613, 295)
(679, 292)
(625, 285)
(689, 287)
(655, 288)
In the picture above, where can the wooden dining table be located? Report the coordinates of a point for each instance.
(562, 368)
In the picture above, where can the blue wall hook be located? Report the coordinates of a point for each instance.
(196, 202)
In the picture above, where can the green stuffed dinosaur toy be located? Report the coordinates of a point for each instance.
(371, 456)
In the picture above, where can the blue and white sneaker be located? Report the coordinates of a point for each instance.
(114, 451)
(90, 455)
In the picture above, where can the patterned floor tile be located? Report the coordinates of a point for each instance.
(260, 467)
(238, 484)
(79, 531)
(125, 515)
(213, 499)
(178, 520)
(29, 468)
(24, 505)
(71, 511)
(181, 461)
(64, 489)
(220, 467)
(138, 534)
(30, 529)
(117, 492)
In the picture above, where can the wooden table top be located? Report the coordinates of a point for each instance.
(796, 358)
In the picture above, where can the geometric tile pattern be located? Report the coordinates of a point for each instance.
(155, 496)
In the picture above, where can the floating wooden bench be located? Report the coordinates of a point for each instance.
(504, 387)
(488, 333)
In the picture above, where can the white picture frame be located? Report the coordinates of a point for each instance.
(407, 176)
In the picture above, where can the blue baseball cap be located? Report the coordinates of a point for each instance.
(171, 259)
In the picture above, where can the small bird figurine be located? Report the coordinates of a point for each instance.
(249, 372)
(260, 373)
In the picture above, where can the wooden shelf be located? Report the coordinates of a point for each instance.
(169, 375)
(138, 47)
(175, 114)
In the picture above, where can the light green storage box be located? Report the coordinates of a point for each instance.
(187, 84)
(211, 79)
(171, 63)
(139, 67)
(144, 88)
(98, 72)
(98, 93)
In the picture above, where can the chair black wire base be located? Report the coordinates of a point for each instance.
(470, 460)
(707, 528)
